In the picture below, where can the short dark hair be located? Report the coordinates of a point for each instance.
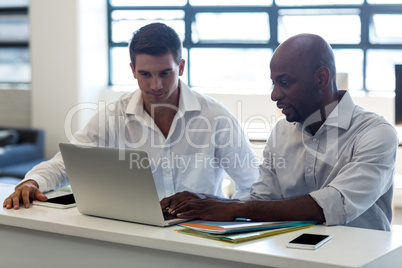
(155, 39)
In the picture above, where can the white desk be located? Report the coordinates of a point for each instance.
(47, 237)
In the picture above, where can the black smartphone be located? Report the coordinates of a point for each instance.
(309, 241)
(63, 201)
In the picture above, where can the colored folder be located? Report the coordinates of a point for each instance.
(243, 236)
(226, 227)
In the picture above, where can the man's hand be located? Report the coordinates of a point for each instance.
(26, 192)
(209, 209)
(173, 201)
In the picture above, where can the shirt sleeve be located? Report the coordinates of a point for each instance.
(236, 156)
(51, 174)
(361, 182)
(267, 186)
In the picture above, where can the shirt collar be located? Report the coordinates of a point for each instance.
(188, 101)
(340, 116)
(135, 105)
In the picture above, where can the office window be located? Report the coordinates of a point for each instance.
(230, 28)
(139, 3)
(231, 2)
(317, 2)
(14, 38)
(381, 68)
(127, 21)
(228, 43)
(383, 2)
(238, 70)
(13, 3)
(338, 26)
(381, 30)
(349, 66)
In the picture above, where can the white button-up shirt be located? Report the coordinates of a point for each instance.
(347, 167)
(204, 143)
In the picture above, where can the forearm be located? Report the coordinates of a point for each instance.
(214, 197)
(299, 208)
(27, 182)
(49, 175)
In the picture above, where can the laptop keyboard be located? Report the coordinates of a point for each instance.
(168, 216)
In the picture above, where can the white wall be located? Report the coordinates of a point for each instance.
(15, 108)
(69, 62)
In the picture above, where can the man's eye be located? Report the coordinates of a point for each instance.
(284, 83)
(145, 74)
(165, 73)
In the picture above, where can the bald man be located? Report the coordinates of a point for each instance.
(336, 159)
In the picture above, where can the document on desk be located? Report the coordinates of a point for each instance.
(243, 236)
(226, 227)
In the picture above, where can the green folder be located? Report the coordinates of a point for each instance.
(243, 236)
(239, 225)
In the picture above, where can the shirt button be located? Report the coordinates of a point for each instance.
(309, 170)
(314, 140)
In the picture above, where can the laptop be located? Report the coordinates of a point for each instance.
(106, 183)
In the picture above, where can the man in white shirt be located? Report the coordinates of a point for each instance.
(336, 159)
(191, 139)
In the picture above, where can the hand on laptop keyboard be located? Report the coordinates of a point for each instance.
(168, 216)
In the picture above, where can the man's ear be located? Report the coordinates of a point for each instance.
(133, 70)
(181, 67)
(321, 77)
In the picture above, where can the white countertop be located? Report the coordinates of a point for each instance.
(350, 247)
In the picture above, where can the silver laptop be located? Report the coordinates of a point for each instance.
(106, 184)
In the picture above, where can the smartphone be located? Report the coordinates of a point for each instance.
(309, 241)
(63, 201)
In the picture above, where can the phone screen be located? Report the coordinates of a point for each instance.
(63, 200)
(309, 241)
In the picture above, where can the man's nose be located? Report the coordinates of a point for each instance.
(276, 94)
(156, 83)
